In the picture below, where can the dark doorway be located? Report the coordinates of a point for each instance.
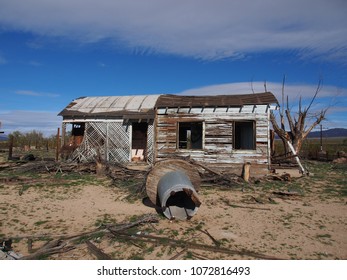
(139, 141)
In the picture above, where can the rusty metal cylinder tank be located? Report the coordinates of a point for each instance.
(177, 196)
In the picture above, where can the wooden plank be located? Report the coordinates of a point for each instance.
(100, 255)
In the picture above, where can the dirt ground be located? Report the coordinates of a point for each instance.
(309, 225)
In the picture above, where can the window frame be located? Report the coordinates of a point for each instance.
(202, 135)
(254, 127)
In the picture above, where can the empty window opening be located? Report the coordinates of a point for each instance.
(77, 129)
(244, 135)
(77, 133)
(190, 135)
(139, 141)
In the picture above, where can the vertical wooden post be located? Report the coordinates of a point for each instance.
(246, 171)
(58, 145)
(10, 147)
(63, 134)
(321, 138)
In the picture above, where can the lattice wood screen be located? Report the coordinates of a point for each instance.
(150, 143)
(112, 140)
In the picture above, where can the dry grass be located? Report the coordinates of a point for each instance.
(309, 226)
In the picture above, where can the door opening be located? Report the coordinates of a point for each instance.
(139, 141)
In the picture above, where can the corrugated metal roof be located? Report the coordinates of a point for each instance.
(111, 106)
(144, 105)
(216, 100)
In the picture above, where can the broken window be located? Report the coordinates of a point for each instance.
(244, 135)
(190, 135)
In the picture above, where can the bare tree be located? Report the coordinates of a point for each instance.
(298, 130)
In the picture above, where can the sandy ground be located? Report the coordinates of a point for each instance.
(312, 226)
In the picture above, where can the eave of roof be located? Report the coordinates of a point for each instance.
(216, 100)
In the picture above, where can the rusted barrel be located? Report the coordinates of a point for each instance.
(172, 184)
(177, 196)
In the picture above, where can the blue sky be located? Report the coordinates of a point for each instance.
(52, 52)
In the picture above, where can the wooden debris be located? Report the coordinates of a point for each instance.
(50, 248)
(223, 179)
(179, 254)
(30, 246)
(148, 218)
(100, 255)
(199, 256)
(284, 193)
(60, 244)
(248, 207)
(190, 245)
(216, 242)
(257, 200)
(227, 202)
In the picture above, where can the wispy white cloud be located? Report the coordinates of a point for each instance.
(294, 91)
(198, 28)
(330, 97)
(2, 60)
(24, 121)
(36, 94)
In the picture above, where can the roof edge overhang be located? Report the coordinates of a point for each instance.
(174, 101)
(162, 101)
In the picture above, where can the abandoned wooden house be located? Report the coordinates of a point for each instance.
(222, 131)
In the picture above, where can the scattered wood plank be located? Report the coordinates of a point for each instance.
(179, 254)
(284, 193)
(199, 256)
(229, 179)
(52, 247)
(257, 200)
(60, 244)
(249, 207)
(190, 245)
(216, 242)
(100, 255)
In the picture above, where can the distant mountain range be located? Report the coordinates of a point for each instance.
(334, 132)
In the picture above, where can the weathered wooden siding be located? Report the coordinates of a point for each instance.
(218, 148)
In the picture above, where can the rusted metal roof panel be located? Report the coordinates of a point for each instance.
(120, 106)
(216, 100)
(111, 106)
